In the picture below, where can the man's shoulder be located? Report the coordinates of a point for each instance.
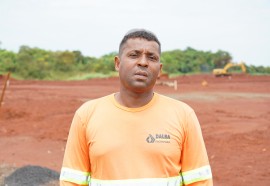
(86, 110)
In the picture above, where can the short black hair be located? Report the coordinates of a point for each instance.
(139, 33)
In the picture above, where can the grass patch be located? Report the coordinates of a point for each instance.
(92, 76)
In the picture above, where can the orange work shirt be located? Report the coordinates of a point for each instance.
(159, 144)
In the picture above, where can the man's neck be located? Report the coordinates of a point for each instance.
(133, 99)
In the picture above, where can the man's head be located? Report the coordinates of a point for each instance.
(139, 33)
(138, 62)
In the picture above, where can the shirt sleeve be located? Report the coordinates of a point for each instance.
(76, 162)
(194, 160)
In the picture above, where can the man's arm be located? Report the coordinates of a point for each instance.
(76, 162)
(66, 183)
(208, 182)
(196, 170)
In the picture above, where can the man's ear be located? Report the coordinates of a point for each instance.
(160, 70)
(116, 63)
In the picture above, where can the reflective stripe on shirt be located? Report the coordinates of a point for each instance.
(202, 173)
(79, 177)
(74, 176)
(172, 181)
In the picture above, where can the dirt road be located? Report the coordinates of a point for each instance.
(234, 114)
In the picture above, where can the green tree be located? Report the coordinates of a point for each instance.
(7, 61)
(221, 58)
(65, 61)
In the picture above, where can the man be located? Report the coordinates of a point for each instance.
(136, 137)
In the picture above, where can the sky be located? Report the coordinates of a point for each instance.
(96, 27)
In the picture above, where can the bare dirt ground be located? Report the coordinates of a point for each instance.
(234, 114)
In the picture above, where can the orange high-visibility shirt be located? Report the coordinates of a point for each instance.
(159, 144)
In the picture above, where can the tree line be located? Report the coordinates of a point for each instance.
(36, 63)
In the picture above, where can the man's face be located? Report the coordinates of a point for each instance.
(138, 65)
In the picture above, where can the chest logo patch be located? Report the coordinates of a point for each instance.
(158, 138)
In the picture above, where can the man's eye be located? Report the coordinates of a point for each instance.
(153, 58)
(133, 55)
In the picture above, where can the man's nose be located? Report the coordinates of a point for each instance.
(143, 61)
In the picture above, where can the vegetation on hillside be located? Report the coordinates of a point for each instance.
(36, 63)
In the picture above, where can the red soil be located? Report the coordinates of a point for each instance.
(234, 114)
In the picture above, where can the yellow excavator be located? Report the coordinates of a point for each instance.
(224, 71)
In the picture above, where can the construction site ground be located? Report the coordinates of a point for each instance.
(234, 113)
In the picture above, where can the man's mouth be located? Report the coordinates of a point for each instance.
(141, 73)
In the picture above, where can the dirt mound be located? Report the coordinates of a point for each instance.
(31, 176)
